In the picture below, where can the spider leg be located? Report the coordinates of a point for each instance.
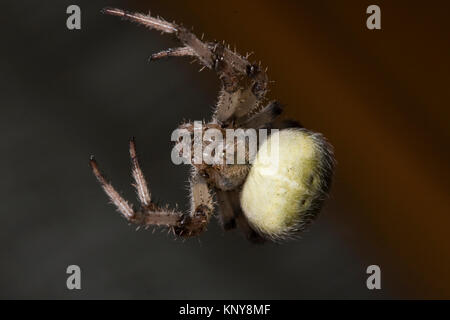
(146, 20)
(202, 205)
(242, 221)
(231, 215)
(157, 217)
(244, 85)
(247, 230)
(121, 204)
(177, 52)
(267, 115)
(139, 178)
(201, 49)
(150, 214)
(226, 216)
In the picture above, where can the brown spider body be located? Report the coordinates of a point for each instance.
(220, 176)
(240, 105)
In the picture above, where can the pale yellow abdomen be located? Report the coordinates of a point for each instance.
(285, 187)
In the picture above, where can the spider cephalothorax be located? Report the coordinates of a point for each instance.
(268, 198)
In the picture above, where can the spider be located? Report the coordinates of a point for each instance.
(266, 201)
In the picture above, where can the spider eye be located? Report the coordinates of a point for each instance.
(204, 174)
(251, 70)
(217, 61)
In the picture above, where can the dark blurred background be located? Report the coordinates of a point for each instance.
(381, 97)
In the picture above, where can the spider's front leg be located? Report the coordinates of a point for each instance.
(244, 85)
(150, 214)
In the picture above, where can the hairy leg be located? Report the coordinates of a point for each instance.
(150, 214)
(202, 50)
(140, 183)
(231, 215)
(176, 52)
(202, 205)
(244, 85)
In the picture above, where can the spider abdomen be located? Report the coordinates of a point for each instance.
(286, 185)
